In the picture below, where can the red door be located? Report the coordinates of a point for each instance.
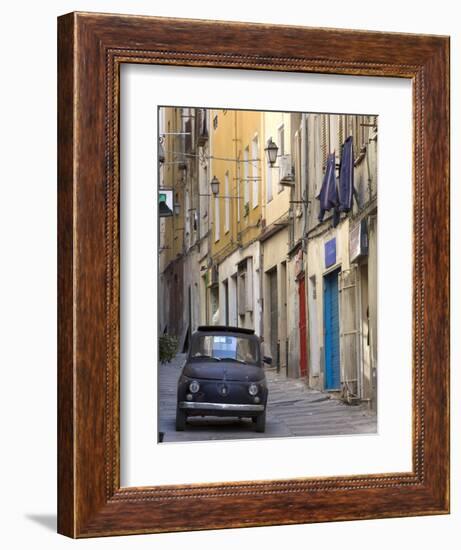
(302, 327)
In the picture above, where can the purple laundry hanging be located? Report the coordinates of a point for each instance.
(346, 176)
(328, 195)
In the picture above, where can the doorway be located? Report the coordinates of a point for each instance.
(303, 370)
(331, 331)
(274, 315)
(226, 302)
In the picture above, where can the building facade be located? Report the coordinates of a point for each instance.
(235, 252)
(183, 246)
(341, 261)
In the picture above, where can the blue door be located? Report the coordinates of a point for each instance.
(331, 331)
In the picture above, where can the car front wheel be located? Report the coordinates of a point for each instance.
(261, 422)
(180, 420)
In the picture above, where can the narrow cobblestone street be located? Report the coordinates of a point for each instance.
(292, 410)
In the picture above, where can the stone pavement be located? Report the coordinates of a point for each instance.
(292, 410)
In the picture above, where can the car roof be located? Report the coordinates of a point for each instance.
(225, 328)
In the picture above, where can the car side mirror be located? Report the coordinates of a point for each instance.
(267, 360)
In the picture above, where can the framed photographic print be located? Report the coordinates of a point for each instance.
(253, 275)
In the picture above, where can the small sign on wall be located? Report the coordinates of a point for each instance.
(165, 202)
(330, 252)
(299, 264)
(358, 241)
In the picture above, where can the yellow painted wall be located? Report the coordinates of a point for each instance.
(250, 125)
(231, 133)
(223, 151)
(279, 204)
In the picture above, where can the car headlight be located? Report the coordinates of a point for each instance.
(253, 389)
(194, 386)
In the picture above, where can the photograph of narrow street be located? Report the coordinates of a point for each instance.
(267, 277)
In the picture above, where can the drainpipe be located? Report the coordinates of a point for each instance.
(196, 162)
(304, 181)
(261, 304)
(305, 198)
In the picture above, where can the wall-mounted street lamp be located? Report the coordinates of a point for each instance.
(271, 151)
(161, 151)
(286, 175)
(214, 185)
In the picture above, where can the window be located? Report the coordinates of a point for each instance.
(216, 219)
(358, 132)
(281, 139)
(281, 144)
(222, 347)
(246, 197)
(176, 200)
(241, 300)
(297, 164)
(317, 149)
(255, 170)
(226, 203)
(238, 187)
(187, 213)
(269, 182)
(215, 122)
(214, 304)
(341, 132)
(325, 139)
(202, 126)
(245, 286)
(167, 145)
(333, 134)
(313, 282)
(204, 206)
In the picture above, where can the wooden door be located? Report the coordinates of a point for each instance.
(303, 361)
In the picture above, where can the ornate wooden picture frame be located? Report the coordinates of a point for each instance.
(92, 48)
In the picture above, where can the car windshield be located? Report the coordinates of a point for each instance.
(224, 347)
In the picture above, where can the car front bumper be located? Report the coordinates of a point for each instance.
(227, 407)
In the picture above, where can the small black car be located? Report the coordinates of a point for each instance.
(223, 376)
